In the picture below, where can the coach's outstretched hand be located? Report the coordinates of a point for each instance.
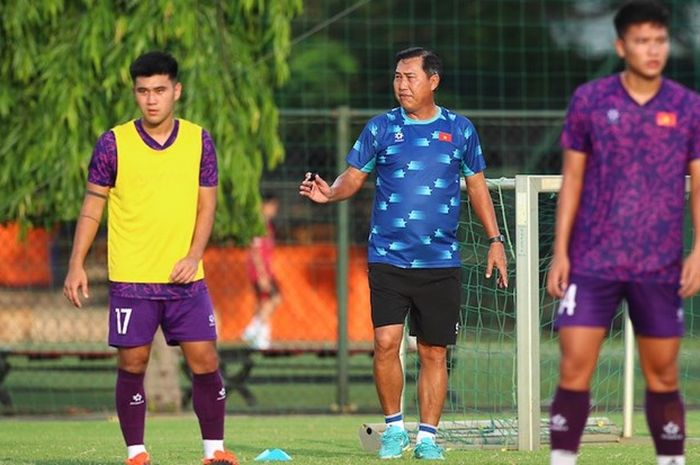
(315, 188)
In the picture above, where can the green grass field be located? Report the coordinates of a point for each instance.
(309, 440)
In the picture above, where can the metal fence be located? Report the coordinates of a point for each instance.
(55, 358)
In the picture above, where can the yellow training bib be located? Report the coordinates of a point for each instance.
(153, 205)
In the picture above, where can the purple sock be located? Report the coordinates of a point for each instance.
(666, 421)
(209, 403)
(568, 415)
(131, 406)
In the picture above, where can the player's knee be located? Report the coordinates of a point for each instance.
(134, 359)
(576, 370)
(662, 378)
(208, 363)
(203, 361)
(134, 364)
(204, 366)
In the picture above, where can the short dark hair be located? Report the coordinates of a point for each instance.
(152, 63)
(431, 62)
(638, 12)
(269, 197)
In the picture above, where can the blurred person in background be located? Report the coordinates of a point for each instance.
(259, 267)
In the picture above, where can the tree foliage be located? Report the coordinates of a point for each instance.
(64, 81)
(497, 54)
(319, 64)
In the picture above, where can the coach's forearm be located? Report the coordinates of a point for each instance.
(480, 200)
(346, 184)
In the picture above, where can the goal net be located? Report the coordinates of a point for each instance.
(504, 368)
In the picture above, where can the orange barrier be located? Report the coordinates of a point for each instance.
(306, 279)
(24, 261)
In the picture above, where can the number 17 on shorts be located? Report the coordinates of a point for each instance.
(132, 322)
(123, 317)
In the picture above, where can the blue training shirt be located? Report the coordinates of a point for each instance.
(417, 197)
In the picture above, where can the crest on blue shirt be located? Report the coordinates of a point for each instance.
(613, 116)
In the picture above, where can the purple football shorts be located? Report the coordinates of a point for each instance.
(656, 309)
(133, 322)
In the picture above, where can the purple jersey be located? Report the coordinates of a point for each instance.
(629, 224)
(103, 165)
(103, 172)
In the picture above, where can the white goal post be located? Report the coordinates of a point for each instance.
(527, 190)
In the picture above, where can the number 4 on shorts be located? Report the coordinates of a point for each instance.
(123, 318)
(568, 303)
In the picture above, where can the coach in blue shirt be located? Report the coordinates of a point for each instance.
(419, 151)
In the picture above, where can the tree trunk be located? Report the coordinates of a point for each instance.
(163, 377)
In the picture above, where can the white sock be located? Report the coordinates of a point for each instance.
(670, 460)
(264, 332)
(133, 451)
(252, 330)
(426, 431)
(211, 446)
(563, 457)
(395, 419)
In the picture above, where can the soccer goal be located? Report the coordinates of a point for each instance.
(534, 223)
(504, 368)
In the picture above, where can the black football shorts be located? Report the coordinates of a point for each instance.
(431, 298)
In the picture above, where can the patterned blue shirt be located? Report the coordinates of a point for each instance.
(417, 197)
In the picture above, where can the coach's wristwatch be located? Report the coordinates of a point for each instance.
(498, 238)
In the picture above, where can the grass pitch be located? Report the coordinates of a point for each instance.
(317, 440)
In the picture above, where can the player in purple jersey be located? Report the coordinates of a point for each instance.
(629, 140)
(140, 167)
(420, 151)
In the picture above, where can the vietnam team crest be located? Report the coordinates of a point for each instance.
(444, 136)
(666, 119)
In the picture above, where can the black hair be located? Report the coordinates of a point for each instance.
(269, 197)
(431, 62)
(152, 63)
(638, 12)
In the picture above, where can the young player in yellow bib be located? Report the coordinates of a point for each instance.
(158, 174)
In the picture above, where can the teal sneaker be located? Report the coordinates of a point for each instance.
(394, 441)
(428, 450)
